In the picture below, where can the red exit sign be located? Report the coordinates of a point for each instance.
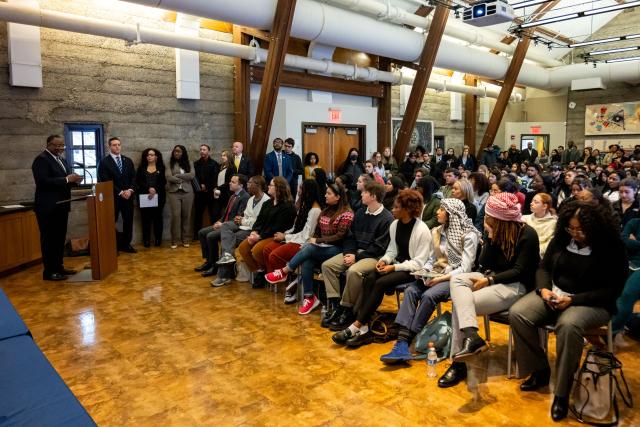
(335, 116)
(535, 129)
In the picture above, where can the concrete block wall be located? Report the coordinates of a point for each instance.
(130, 90)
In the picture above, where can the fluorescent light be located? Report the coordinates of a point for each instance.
(608, 51)
(549, 20)
(602, 41)
(528, 3)
(630, 58)
(632, 36)
(612, 8)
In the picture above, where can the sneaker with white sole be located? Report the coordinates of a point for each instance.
(226, 259)
(276, 276)
(174, 246)
(308, 305)
(291, 292)
(186, 245)
(220, 282)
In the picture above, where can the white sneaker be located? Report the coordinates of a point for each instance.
(173, 246)
(186, 245)
(226, 259)
(220, 282)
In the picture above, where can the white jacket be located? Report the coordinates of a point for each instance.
(251, 213)
(420, 247)
(307, 231)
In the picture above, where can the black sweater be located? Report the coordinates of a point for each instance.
(274, 219)
(522, 266)
(368, 236)
(596, 280)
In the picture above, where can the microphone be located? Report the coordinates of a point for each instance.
(84, 168)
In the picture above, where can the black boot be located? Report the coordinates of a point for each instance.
(457, 372)
(536, 380)
(332, 313)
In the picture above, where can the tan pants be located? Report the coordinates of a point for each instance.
(252, 255)
(181, 204)
(331, 270)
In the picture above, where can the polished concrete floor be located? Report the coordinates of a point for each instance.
(154, 344)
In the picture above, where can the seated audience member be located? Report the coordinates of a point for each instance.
(389, 162)
(408, 168)
(210, 236)
(509, 259)
(573, 292)
(420, 173)
(627, 206)
(232, 233)
(150, 180)
(612, 189)
(563, 189)
(378, 165)
(409, 248)
(369, 169)
(428, 187)
(326, 242)
(451, 175)
(455, 242)
(463, 191)
(365, 243)
(578, 184)
(355, 199)
(631, 291)
(286, 245)
(542, 219)
(480, 184)
(536, 186)
(276, 215)
(393, 186)
(321, 179)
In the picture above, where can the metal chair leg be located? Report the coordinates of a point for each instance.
(509, 350)
(487, 328)
(610, 336)
(439, 309)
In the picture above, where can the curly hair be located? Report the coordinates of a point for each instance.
(600, 227)
(183, 162)
(283, 191)
(505, 235)
(411, 201)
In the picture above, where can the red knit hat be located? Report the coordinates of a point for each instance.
(504, 206)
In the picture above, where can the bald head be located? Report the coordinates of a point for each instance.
(237, 148)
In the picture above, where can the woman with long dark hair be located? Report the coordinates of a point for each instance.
(286, 244)
(311, 162)
(179, 177)
(573, 292)
(509, 258)
(333, 224)
(151, 181)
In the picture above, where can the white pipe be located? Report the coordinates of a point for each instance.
(454, 28)
(139, 34)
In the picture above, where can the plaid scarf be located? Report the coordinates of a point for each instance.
(459, 226)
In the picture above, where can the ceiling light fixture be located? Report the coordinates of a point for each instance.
(630, 58)
(612, 8)
(527, 3)
(608, 51)
(607, 40)
(549, 20)
(591, 12)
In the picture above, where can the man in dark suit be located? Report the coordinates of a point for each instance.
(210, 236)
(206, 170)
(120, 170)
(277, 163)
(54, 179)
(529, 154)
(240, 163)
(296, 163)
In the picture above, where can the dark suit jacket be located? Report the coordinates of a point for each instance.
(271, 166)
(245, 168)
(207, 173)
(51, 183)
(108, 171)
(524, 155)
(238, 206)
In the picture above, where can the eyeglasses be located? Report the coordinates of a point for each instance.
(574, 231)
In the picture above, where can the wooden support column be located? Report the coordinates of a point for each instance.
(241, 91)
(470, 111)
(505, 93)
(271, 81)
(427, 59)
(384, 109)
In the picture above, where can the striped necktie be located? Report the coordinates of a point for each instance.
(119, 163)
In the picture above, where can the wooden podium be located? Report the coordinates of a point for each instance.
(102, 231)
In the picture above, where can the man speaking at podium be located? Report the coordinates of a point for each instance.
(54, 179)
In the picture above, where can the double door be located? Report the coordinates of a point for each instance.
(332, 143)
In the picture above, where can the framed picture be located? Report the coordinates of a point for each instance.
(612, 119)
(422, 134)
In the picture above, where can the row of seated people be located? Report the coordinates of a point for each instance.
(568, 288)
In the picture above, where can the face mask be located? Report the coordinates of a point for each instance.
(354, 157)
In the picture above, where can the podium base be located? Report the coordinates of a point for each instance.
(82, 276)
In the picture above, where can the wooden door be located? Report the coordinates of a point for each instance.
(344, 140)
(317, 139)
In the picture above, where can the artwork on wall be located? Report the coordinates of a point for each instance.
(612, 119)
(627, 145)
(422, 134)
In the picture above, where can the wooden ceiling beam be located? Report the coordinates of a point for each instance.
(271, 82)
(505, 93)
(427, 59)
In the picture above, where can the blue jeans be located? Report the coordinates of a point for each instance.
(419, 303)
(630, 294)
(309, 256)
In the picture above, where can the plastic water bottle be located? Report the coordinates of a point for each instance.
(432, 358)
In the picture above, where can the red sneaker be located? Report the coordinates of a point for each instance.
(308, 305)
(276, 276)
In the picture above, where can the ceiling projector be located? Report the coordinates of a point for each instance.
(485, 13)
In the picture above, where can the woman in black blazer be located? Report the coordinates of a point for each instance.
(150, 180)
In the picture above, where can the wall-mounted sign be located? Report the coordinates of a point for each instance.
(335, 115)
(535, 130)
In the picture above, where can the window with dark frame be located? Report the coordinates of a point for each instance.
(84, 148)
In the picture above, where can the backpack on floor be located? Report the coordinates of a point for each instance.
(437, 330)
(596, 385)
(384, 328)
